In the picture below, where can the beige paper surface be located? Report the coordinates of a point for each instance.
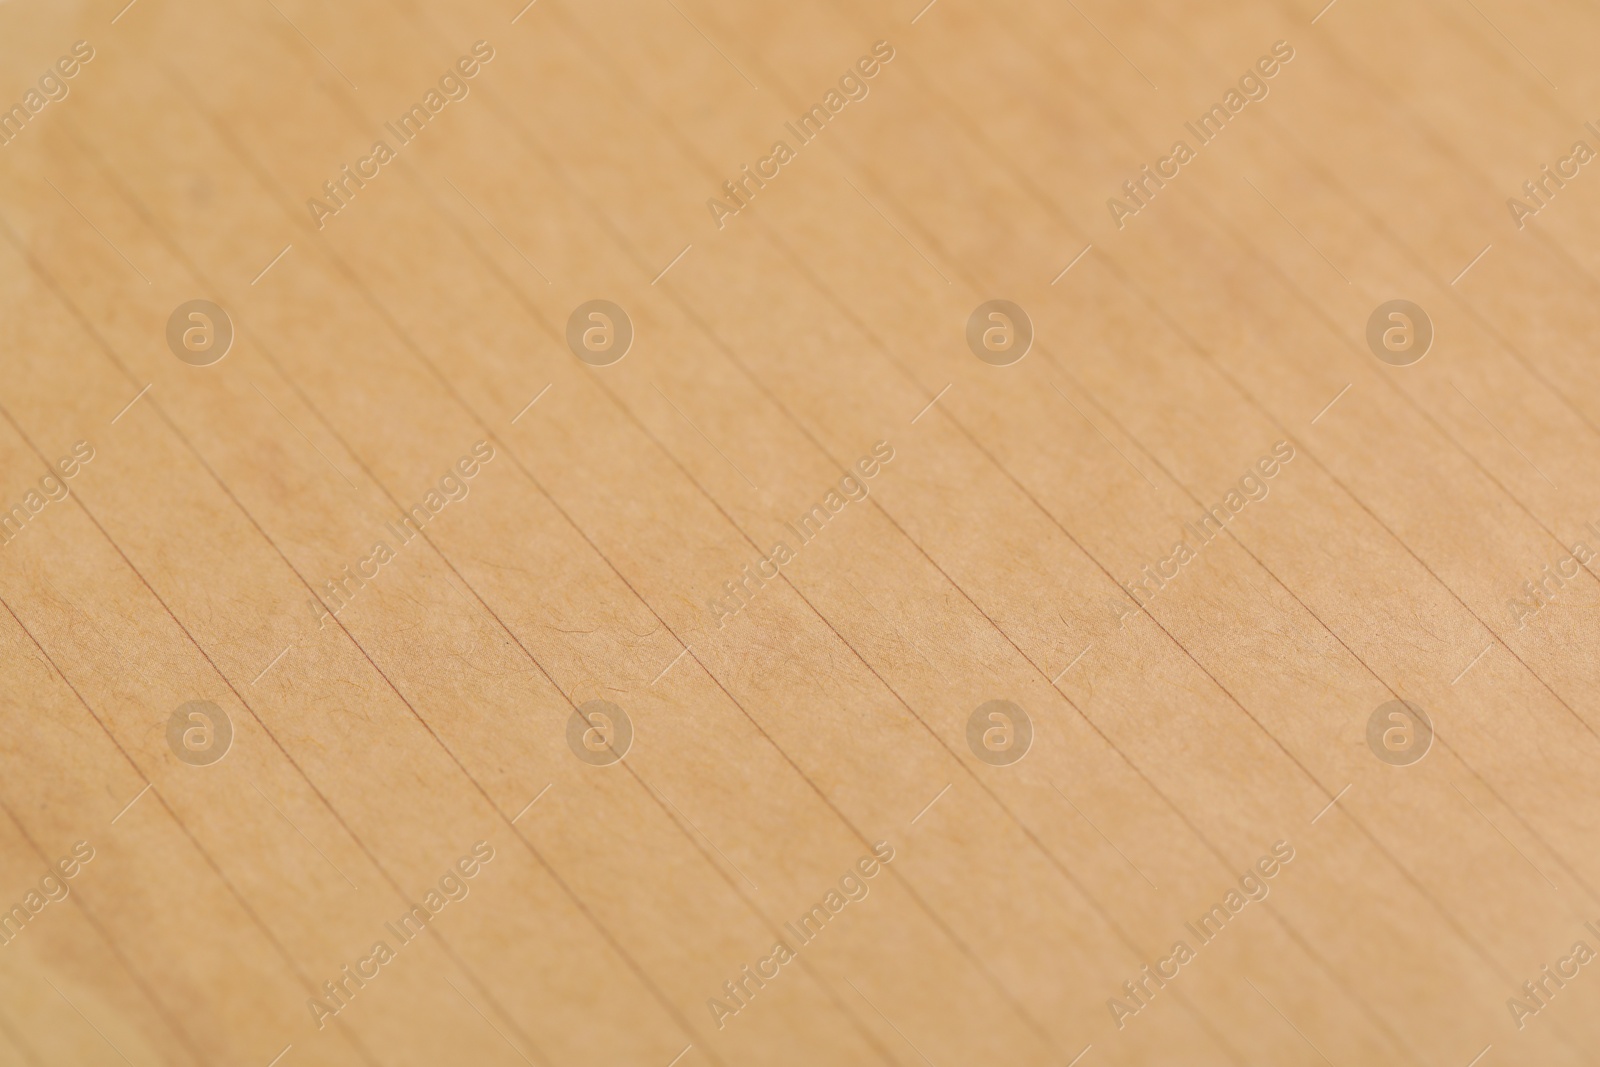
(677, 532)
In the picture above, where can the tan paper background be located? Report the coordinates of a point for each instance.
(1177, 736)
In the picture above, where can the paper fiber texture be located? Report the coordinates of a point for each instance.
(676, 533)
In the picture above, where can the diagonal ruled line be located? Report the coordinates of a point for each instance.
(602, 928)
